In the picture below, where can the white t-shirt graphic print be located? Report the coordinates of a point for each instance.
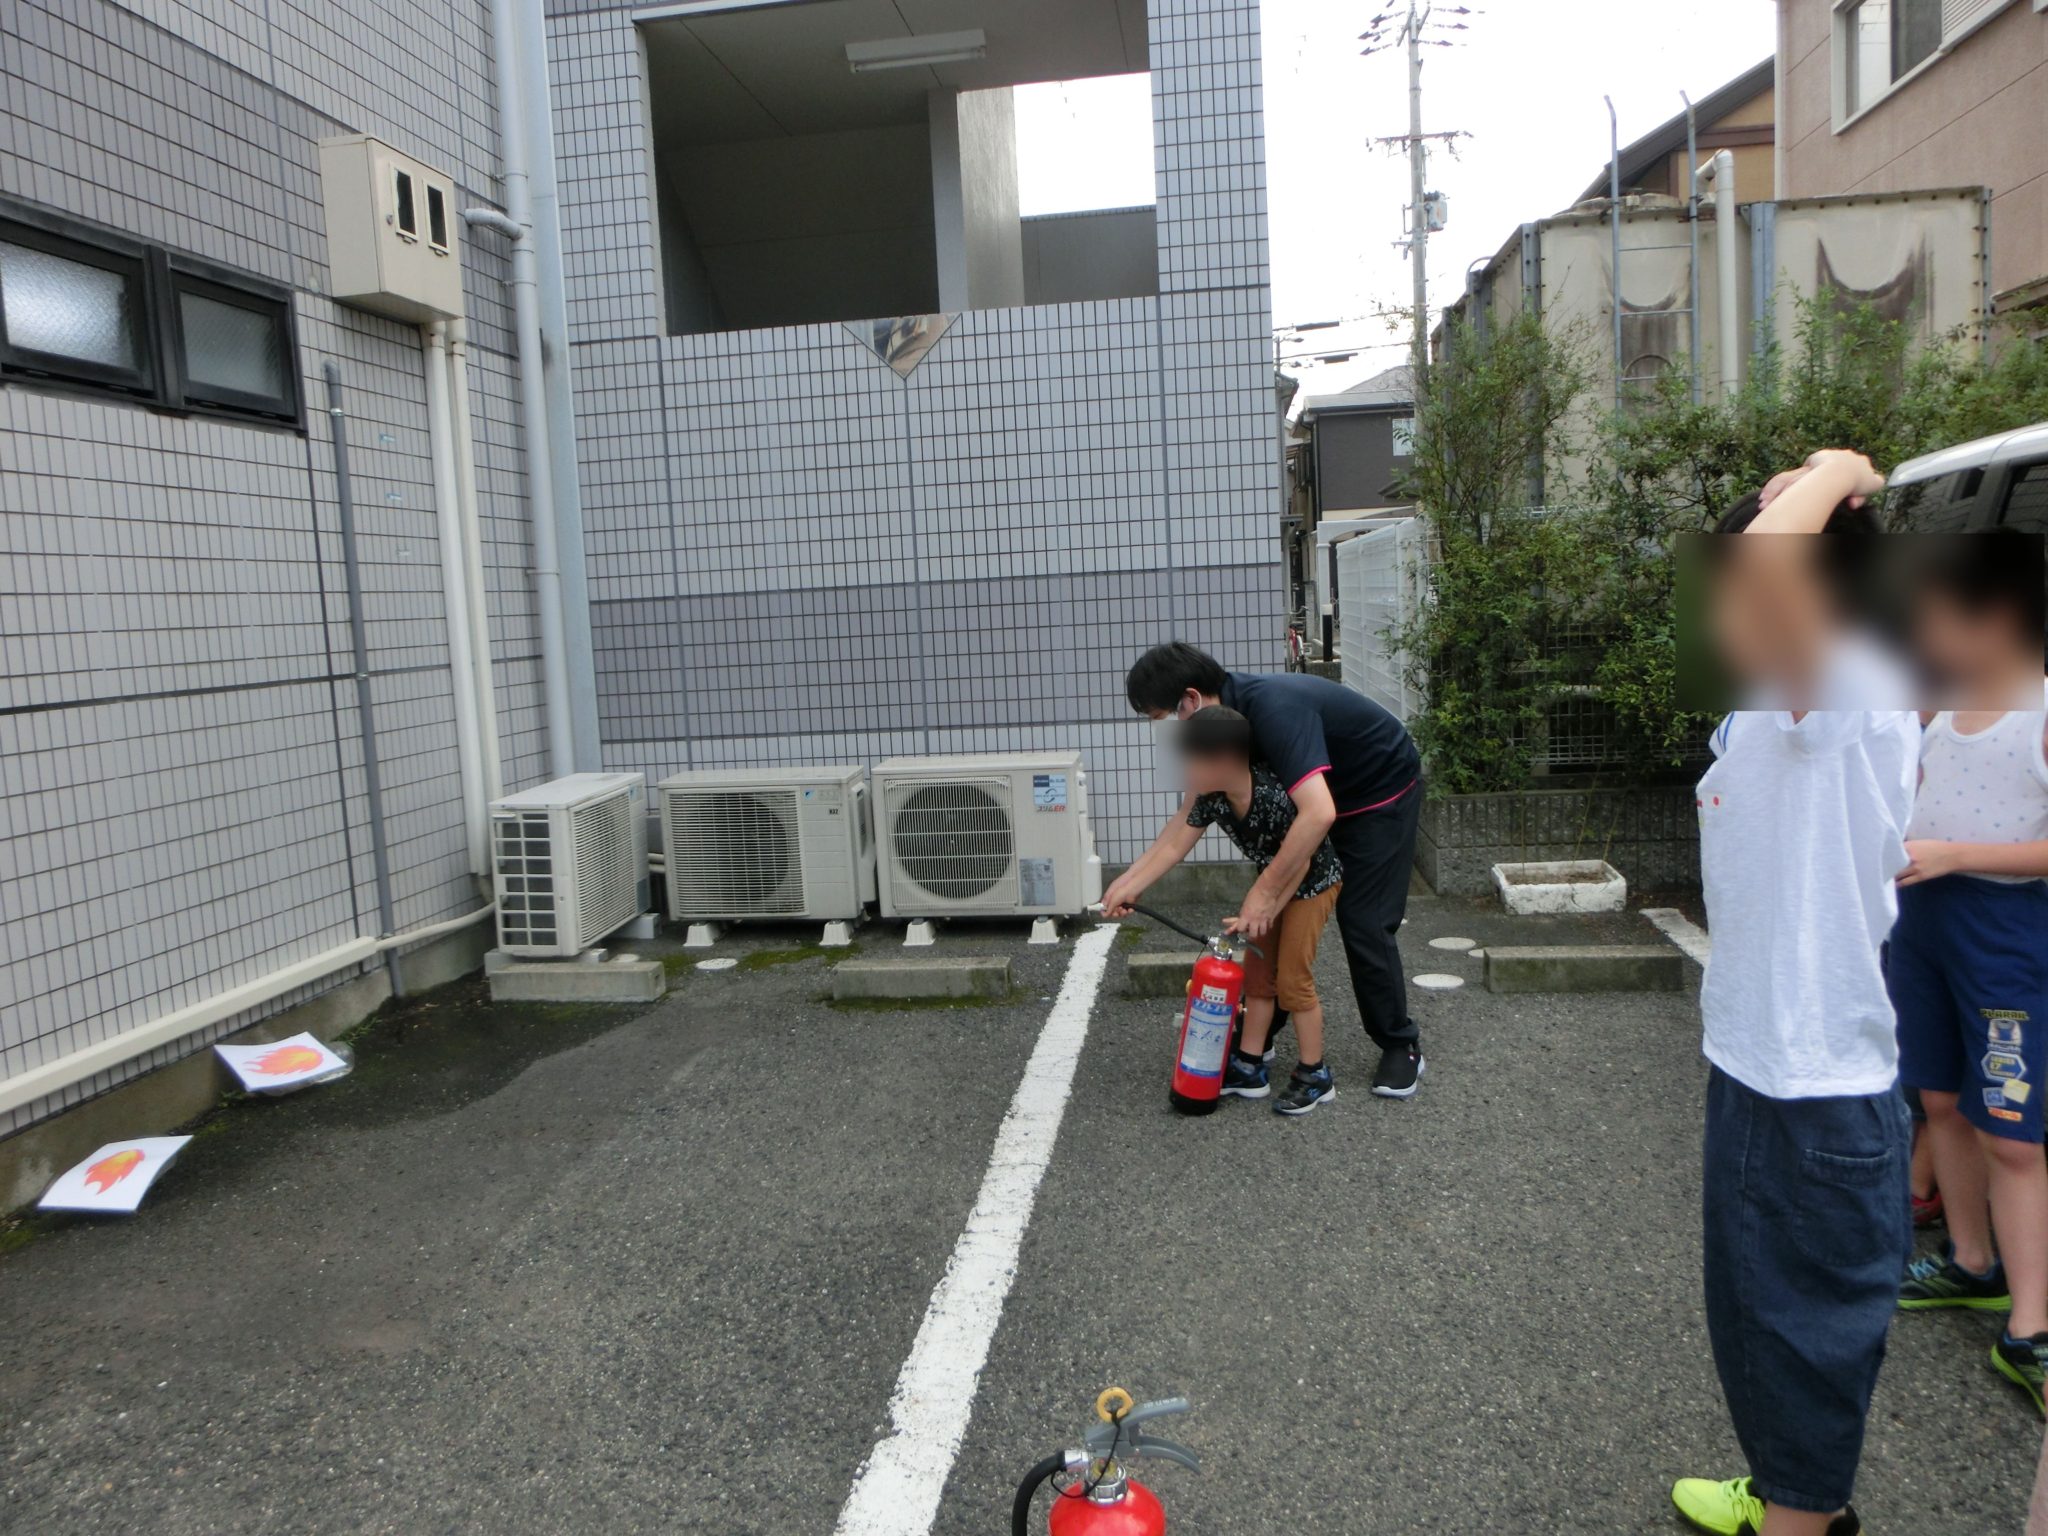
(1802, 831)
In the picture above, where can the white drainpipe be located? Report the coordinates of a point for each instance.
(493, 773)
(1720, 171)
(456, 591)
(516, 223)
(52, 1077)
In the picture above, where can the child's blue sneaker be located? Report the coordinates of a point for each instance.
(1305, 1090)
(1244, 1079)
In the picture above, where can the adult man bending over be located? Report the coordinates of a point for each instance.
(1355, 777)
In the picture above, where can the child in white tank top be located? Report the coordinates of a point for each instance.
(1968, 961)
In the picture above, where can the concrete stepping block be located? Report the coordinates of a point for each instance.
(1584, 968)
(1437, 981)
(625, 980)
(903, 979)
(1453, 943)
(1159, 973)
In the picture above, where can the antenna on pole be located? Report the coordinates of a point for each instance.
(1427, 211)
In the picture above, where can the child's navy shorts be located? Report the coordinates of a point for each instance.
(1968, 972)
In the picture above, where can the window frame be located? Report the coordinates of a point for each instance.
(184, 275)
(1842, 45)
(70, 240)
(160, 275)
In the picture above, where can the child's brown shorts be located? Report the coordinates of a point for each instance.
(1288, 972)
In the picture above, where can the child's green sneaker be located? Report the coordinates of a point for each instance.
(1733, 1509)
(1941, 1282)
(2021, 1362)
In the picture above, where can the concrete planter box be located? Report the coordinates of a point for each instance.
(1651, 835)
(1561, 885)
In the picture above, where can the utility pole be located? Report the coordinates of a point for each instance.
(1418, 204)
(1413, 33)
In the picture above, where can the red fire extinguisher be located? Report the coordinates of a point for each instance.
(1215, 991)
(1092, 1493)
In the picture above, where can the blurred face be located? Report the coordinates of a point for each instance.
(1212, 774)
(1961, 646)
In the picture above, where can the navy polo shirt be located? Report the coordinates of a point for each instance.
(1303, 726)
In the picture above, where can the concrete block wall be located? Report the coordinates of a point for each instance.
(796, 556)
(181, 796)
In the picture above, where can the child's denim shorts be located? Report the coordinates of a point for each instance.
(1968, 970)
(1808, 1227)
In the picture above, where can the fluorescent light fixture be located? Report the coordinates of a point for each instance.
(911, 52)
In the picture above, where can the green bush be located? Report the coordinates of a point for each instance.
(1572, 604)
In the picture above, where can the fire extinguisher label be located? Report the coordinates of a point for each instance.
(1208, 1033)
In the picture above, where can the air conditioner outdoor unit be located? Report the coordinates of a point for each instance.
(1005, 835)
(571, 862)
(767, 842)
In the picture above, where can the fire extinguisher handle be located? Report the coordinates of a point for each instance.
(1120, 1438)
(1137, 1446)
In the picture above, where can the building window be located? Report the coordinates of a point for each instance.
(234, 348)
(1404, 437)
(1878, 43)
(73, 311)
(91, 309)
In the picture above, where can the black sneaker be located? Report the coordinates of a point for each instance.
(2020, 1361)
(1400, 1072)
(1305, 1090)
(1937, 1280)
(1244, 1080)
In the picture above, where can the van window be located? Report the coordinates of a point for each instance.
(1940, 505)
(2026, 504)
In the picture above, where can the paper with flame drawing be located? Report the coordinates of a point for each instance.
(115, 1178)
(282, 1063)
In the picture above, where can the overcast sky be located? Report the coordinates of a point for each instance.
(1524, 81)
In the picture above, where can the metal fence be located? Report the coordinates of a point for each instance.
(1383, 581)
(1381, 578)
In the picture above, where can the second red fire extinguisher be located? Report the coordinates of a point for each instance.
(1093, 1493)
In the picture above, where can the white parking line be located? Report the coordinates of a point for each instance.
(1682, 931)
(896, 1492)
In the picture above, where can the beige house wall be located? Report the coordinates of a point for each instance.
(1977, 115)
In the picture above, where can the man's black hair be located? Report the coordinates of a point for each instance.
(1846, 553)
(1214, 731)
(1158, 678)
(1844, 519)
(1993, 568)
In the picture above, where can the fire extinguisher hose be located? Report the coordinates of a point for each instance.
(1020, 1512)
(1188, 933)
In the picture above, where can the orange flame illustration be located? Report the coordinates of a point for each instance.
(286, 1059)
(109, 1171)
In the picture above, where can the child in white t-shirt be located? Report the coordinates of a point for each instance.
(1802, 830)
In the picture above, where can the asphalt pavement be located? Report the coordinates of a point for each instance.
(578, 1270)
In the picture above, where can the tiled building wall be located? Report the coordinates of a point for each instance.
(795, 556)
(181, 795)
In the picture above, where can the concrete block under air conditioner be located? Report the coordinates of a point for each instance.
(393, 231)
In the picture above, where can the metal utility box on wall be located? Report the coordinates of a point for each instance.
(392, 231)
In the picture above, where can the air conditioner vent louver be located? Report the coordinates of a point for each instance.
(737, 850)
(605, 878)
(954, 841)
